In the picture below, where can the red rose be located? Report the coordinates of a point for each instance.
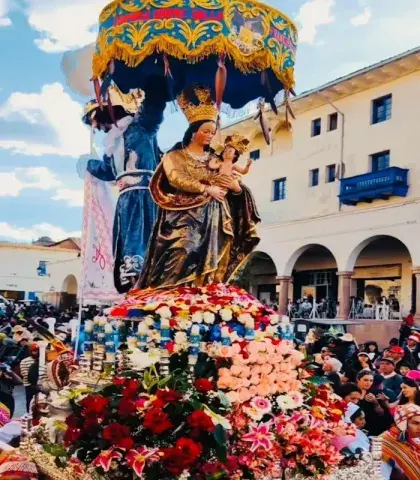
(157, 421)
(71, 436)
(119, 381)
(130, 389)
(203, 385)
(190, 449)
(201, 420)
(73, 421)
(194, 309)
(94, 404)
(182, 456)
(170, 346)
(174, 462)
(168, 395)
(126, 407)
(91, 423)
(118, 435)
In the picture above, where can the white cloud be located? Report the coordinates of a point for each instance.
(12, 183)
(21, 234)
(311, 15)
(64, 24)
(73, 197)
(40, 178)
(53, 109)
(4, 10)
(363, 18)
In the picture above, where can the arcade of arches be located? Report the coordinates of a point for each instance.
(375, 268)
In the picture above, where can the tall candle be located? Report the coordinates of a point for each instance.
(108, 328)
(250, 329)
(195, 330)
(42, 352)
(88, 326)
(225, 340)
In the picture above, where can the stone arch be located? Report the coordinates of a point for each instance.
(259, 275)
(357, 250)
(294, 257)
(69, 285)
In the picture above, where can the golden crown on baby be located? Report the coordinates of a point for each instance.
(238, 142)
(205, 110)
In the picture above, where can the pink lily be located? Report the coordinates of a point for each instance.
(136, 459)
(105, 458)
(260, 436)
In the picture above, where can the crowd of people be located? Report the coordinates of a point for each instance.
(19, 350)
(381, 389)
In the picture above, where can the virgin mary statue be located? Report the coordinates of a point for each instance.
(197, 239)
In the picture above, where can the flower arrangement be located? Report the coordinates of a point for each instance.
(230, 400)
(259, 368)
(281, 434)
(149, 428)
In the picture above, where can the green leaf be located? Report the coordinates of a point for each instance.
(55, 450)
(221, 452)
(220, 435)
(196, 405)
(162, 383)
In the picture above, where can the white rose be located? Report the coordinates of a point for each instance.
(184, 324)
(226, 314)
(234, 337)
(150, 321)
(244, 318)
(274, 319)
(164, 312)
(180, 337)
(271, 330)
(197, 317)
(208, 318)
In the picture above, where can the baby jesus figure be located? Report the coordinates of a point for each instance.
(225, 163)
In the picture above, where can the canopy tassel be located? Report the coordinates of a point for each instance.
(265, 81)
(108, 78)
(97, 87)
(263, 120)
(220, 80)
(288, 108)
(169, 78)
(111, 110)
(218, 135)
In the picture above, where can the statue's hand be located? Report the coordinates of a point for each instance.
(229, 182)
(216, 192)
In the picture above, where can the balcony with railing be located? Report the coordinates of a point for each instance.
(390, 182)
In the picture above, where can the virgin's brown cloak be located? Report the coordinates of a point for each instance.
(196, 239)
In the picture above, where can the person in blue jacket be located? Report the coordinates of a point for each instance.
(131, 155)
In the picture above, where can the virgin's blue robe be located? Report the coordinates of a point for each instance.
(131, 166)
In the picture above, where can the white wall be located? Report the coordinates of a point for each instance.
(19, 263)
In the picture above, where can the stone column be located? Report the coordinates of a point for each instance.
(416, 272)
(344, 293)
(283, 282)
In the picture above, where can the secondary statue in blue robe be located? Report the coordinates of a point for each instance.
(131, 155)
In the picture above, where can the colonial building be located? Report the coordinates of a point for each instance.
(339, 190)
(42, 270)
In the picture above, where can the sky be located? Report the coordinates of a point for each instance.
(42, 136)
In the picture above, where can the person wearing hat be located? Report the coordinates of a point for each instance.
(348, 349)
(30, 373)
(131, 155)
(401, 446)
(400, 355)
(413, 346)
(392, 380)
